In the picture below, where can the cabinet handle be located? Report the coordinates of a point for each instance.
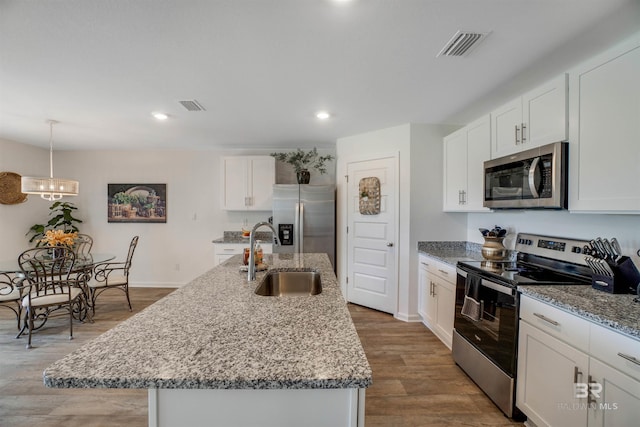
(629, 358)
(546, 319)
(443, 272)
(590, 399)
(459, 197)
(523, 133)
(247, 201)
(228, 249)
(576, 372)
(517, 137)
(464, 197)
(424, 263)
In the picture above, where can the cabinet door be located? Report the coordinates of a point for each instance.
(478, 151)
(545, 114)
(263, 176)
(506, 129)
(618, 401)
(445, 313)
(604, 132)
(547, 371)
(235, 182)
(455, 170)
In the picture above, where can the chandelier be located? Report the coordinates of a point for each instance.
(49, 188)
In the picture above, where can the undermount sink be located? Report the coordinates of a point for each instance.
(290, 282)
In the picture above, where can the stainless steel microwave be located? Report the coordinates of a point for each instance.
(535, 178)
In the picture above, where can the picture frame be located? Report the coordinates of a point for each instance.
(137, 203)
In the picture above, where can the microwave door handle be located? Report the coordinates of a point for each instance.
(532, 175)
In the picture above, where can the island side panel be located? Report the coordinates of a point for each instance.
(267, 408)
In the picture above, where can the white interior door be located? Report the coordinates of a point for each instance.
(372, 279)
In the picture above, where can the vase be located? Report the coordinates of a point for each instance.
(493, 249)
(303, 176)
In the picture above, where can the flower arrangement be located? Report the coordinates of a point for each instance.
(304, 160)
(59, 238)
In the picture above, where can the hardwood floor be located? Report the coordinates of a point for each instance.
(415, 381)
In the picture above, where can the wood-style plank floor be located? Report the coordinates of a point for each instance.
(416, 382)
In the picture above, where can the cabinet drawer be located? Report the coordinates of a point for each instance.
(617, 350)
(439, 268)
(558, 323)
(238, 248)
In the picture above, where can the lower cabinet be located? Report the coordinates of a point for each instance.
(224, 251)
(572, 372)
(437, 297)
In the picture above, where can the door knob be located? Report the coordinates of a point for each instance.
(390, 244)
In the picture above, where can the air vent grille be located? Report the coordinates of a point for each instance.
(192, 105)
(461, 43)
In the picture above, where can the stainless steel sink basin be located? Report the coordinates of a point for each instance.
(290, 282)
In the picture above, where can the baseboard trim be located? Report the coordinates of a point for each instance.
(155, 285)
(410, 318)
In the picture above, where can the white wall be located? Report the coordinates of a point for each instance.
(560, 223)
(15, 220)
(168, 254)
(419, 148)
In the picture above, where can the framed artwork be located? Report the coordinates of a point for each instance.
(137, 202)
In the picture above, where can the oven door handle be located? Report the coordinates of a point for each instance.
(507, 290)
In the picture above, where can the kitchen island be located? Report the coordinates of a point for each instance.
(215, 353)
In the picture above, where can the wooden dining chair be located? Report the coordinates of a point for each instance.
(112, 275)
(11, 293)
(47, 286)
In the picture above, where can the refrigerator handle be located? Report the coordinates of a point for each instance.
(301, 229)
(296, 228)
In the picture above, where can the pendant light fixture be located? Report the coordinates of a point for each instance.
(50, 188)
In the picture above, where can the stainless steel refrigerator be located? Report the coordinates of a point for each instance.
(305, 218)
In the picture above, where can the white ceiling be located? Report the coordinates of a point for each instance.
(262, 68)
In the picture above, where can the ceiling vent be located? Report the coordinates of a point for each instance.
(462, 43)
(192, 105)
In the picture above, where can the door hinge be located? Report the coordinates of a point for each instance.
(346, 177)
(347, 279)
(347, 229)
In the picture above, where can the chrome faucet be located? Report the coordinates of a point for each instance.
(251, 268)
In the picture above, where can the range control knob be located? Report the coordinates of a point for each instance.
(576, 249)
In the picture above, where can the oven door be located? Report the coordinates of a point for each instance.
(487, 317)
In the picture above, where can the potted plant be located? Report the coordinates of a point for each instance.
(61, 219)
(302, 161)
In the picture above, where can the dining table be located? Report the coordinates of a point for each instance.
(81, 272)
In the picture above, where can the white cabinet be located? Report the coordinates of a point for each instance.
(604, 150)
(465, 152)
(247, 182)
(572, 372)
(224, 251)
(437, 290)
(536, 118)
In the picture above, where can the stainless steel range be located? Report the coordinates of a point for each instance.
(485, 336)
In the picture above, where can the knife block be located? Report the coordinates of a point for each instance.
(626, 278)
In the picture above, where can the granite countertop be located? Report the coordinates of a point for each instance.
(452, 251)
(216, 333)
(616, 311)
(236, 237)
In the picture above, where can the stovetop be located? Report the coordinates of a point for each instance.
(541, 260)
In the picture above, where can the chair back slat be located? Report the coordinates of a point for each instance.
(46, 268)
(82, 245)
(132, 248)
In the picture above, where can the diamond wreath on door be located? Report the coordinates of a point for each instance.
(369, 196)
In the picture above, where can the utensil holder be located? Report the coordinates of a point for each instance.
(626, 278)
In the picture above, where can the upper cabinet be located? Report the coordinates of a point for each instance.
(604, 150)
(247, 183)
(465, 152)
(536, 118)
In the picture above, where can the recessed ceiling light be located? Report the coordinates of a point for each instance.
(160, 116)
(323, 115)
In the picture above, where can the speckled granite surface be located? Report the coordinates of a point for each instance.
(617, 311)
(236, 237)
(451, 252)
(216, 333)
